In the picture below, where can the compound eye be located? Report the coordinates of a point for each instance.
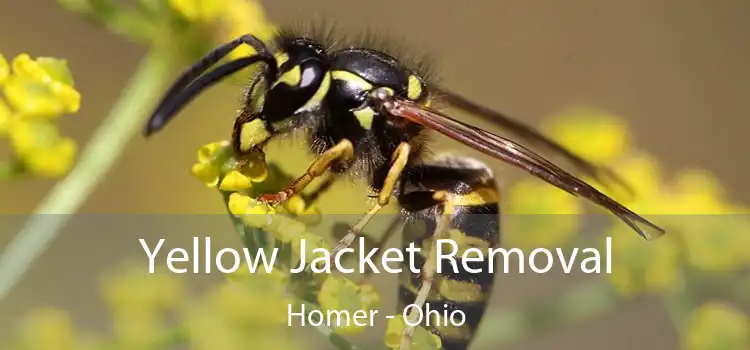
(416, 90)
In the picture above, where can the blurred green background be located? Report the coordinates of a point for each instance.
(676, 71)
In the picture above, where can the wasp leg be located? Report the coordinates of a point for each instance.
(429, 268)
(312, 197)
(341, 152)
(379, 246)
(398, 163)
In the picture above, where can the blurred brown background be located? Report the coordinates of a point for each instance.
(677, 70)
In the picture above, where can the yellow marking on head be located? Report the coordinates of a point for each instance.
(351, 78)
(291, 77)
(365, 117)
(481, 196)
(460, 291)
(320, 94)
(258, 102)
(413, 88)
(281, 58)
(252, 134)
(257, 96)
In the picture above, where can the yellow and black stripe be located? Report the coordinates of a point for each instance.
(475, 223)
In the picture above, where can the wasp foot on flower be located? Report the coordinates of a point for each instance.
(253, 213)
(218, 167)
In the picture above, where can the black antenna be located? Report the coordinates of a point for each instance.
(191, 83)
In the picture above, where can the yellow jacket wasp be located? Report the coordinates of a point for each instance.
(365, 114)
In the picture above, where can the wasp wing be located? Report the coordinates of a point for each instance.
(599, 173)
(519, 156)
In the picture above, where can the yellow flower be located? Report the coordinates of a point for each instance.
(312, 242)
(295, 205)
(422, 339)
(258, 301)
(286, 229)
(241, 17)
(36, 91)
(242, 274)
(4, 69)
(211, 159)
(717, 326)
(643, 266)
(712, 229)
(48, 329)
(198, 10)
(6, 116)
(39, 146)
(249, 310)
(54, 161)
(643, 174)
(137, 328)
(138, 300)
(216, 161)
(208, 152)
(41, 88)
(206, 173)
(235, 181)
(541, 215)
(697, 192)
(132, 288)
(339, 293)
(283, 228)
(207, 331)
(252, 212)
(596, 136)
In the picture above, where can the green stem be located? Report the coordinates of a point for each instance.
(101, 153)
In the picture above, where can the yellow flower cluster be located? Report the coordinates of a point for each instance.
(540, 215)
(715, 325)
(250, 309)
(138, 302)
(338, 293)
(641, 266)
(234, 18)
(36, 92)
(51, 329)
(218, 168)
(246, 309)
(704, 229)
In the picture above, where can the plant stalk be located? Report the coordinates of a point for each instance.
(101, 153)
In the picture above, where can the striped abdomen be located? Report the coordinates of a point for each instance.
(475, 223)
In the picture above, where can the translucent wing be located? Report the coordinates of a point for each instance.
(602, 174)
(519, 156)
